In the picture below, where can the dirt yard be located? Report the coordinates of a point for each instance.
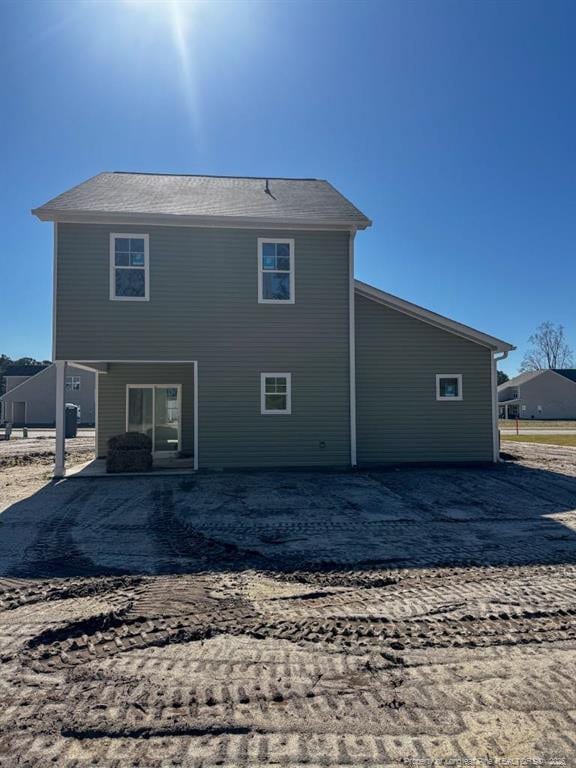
(394, 618)
(26, 465)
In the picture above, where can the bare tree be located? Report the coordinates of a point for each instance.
(548, 349)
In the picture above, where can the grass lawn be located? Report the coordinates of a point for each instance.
(548, 439)
(536, 424)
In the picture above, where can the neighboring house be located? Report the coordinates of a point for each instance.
(222, 318)
(548, 394)
(30, 397)
(16, 374)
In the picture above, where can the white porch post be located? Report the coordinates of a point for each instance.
(59, 467)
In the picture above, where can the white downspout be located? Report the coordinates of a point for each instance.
(196, 441)
(96, 395)
(495, 430)
(352, 349)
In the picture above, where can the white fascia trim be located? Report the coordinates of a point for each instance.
(23, 383)
(175, 220)
(90, 368)
(432, 318)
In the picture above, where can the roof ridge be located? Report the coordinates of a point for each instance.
(217, 176)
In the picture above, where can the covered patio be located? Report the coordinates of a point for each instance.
(509, 409)
(156, 398)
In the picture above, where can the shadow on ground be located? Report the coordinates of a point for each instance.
(289, 521)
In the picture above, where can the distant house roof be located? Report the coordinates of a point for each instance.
(568, 373)
(24, 370)
(162, 197)
(522, 378)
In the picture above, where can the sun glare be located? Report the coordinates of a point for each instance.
(179, 15)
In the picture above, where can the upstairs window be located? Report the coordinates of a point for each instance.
(448, 386)
(275, 271)
(275, 393)
(73, 383)
(129, 267)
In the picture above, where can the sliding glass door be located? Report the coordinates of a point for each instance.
(154, 410)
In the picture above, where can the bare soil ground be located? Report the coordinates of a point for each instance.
(26, 465)
(401, 618)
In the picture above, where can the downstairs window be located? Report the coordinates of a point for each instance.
(275, 393)
(448, 386)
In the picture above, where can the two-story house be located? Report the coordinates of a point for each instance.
(222, 318)
(545, 394)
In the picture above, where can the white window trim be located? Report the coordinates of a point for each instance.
(263, 410)
(449, 376)
(146, 238)
(153, 388)
(282, 241)
(71, 379)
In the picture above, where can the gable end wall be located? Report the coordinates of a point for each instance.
(398, 416)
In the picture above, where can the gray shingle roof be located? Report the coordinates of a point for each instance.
(568, 373)
(305, 201)
(520, 379)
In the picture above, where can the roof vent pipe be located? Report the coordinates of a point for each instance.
(267, 190)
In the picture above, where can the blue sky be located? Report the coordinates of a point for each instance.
(451, 124)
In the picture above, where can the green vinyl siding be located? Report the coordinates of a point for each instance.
(398, 416)
(112, 397)
(204, 306)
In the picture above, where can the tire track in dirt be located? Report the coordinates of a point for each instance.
(443, 626)
(22, 592)
(54, 552)
(181, 547)
(302, 689)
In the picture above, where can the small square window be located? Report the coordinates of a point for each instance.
(449, 386)
(275, 393)
(73, 383)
